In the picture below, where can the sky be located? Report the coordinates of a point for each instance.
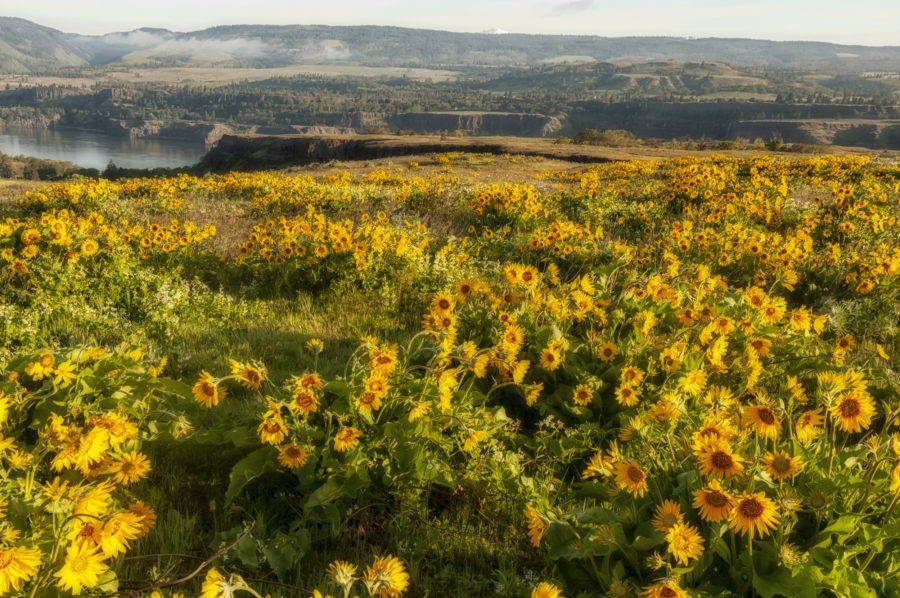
(866, 22)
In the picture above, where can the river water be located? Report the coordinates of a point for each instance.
(93, 149)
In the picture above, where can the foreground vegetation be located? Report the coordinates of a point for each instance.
(462, 376)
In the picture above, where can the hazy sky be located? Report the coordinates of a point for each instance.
(869, 22)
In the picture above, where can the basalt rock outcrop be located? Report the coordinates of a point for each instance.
(881, 134)
(479, 123)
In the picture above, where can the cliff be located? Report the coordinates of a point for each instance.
(207, 133)
(243, 152)
(861, 133)
(479, 123)
(714, 120)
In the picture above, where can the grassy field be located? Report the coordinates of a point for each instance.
(249, 152)
(222, 75)
(455, 374)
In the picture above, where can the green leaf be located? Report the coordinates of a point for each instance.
(328, 492)
(247, 552)
(720, 547)
(589, 490)
(108, 583)
(595, 515)
(247, 469)
(175, 386)
(281, 551)
(781, 583)
(337, 389)
(842, 525)
(643, 543)
(561, 538)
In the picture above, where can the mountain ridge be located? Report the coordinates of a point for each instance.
(27, 47)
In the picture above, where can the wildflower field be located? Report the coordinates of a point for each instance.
(470, 375)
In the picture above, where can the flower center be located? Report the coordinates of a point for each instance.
(766, 416)
(751, 508)
(817, 501)
(80, 564)
(722, 460)
(781, 464)
(716, 499)
(850, 408)
(635, 474)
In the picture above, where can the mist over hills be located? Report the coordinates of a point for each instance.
(26, 47)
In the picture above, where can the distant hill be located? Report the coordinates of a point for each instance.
(643, 78)
(28, 47)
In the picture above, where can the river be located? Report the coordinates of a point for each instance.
(94, 149)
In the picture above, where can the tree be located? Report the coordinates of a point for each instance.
(6, 167)
(587, 137)
(111, 171)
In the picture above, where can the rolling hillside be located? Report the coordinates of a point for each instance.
(28, 47)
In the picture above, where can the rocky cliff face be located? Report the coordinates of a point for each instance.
(479, 123)
(715, 120)
(209, 134)
(883, 134)
(300, 129)
(356, 121)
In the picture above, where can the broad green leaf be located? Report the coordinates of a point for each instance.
(248, 469)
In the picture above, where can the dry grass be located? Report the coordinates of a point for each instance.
(223, 75)
(12, 191)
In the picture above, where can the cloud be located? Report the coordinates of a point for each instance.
(135, 39)
(573, 6)
(244, 48)
(175, 44)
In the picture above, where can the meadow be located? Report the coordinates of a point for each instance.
(211, 75)
(460, 375)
